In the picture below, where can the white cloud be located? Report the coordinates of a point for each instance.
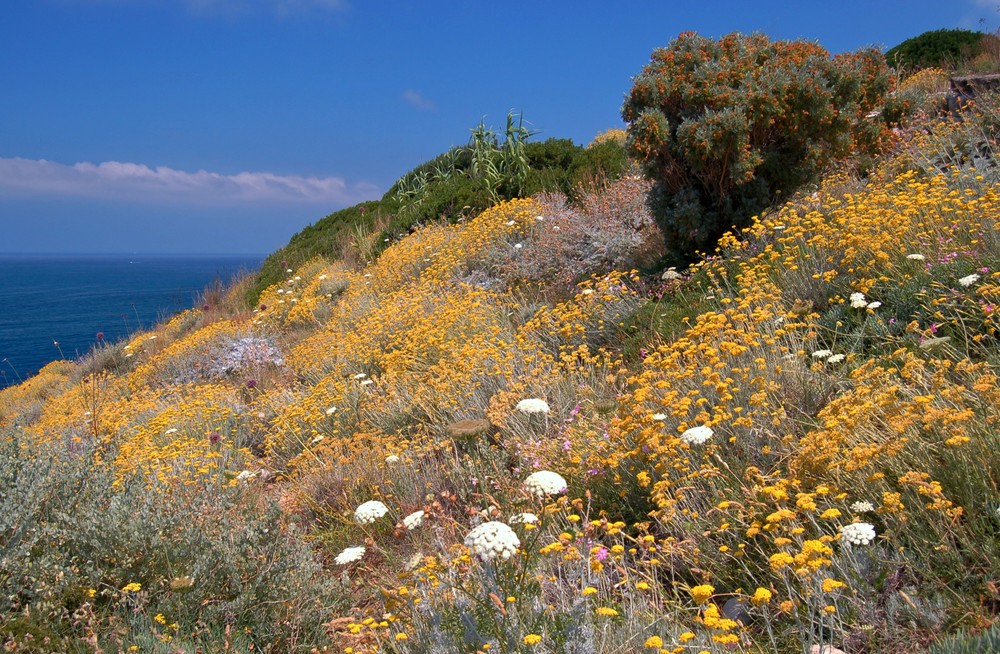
(132, 181)
(417, 100)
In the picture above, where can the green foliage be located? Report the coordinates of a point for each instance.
(944, 48)
(460, 183)
(726, 127)
(985, 641)
(328, 237)
(206, 558)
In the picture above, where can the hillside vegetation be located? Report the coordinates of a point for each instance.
(491, 434)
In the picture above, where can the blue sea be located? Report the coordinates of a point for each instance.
(68, 299)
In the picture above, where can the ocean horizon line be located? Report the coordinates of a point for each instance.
(248, 255)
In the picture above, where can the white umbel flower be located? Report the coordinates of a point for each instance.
(545, 482)
(532, 405)
(969, 280)
(414, 520)
(915, 257)
(245, 476)
(874, 305)
(492, 540)
(349, 555)
(697, 435)
(858, 533)
(862, 506)
(392, 458)
(821, 354)
(835, 358)
(858, 300)
(659, 417)
(524, 518)
(369, 512)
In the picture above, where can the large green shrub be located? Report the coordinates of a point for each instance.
(725, 127)
(938, 48)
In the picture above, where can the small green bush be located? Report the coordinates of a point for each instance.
(210, 560)
(725, 127)
(985, 641)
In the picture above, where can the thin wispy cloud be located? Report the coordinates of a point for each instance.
(415, 99)
(138, 182)
(281, 8)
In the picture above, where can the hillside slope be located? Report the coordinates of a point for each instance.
(462, 447)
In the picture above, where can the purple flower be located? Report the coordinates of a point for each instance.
(214, 437)
(601, 553)
(251, 383)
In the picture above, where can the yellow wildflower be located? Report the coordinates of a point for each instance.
(830, 585)
(700, 594)
(761, 596)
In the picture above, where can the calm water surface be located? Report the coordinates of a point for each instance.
(65, 299)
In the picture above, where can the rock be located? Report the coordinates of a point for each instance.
(825, 649)
(468, 428)
(736, 609)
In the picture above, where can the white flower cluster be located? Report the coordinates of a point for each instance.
(349, 555)
(969, 280)
(524, 518)
(862, 506)
(915, 257)
(245, 476)
(369, 512)
(545, 482)
(858, 301)
(414, 520)
(392, 458)
(835, 358)
(492, 540)
(821, 354)
(858, 533)
(532, 405)
(697, 435)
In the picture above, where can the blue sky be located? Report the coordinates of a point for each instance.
(228, 125)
